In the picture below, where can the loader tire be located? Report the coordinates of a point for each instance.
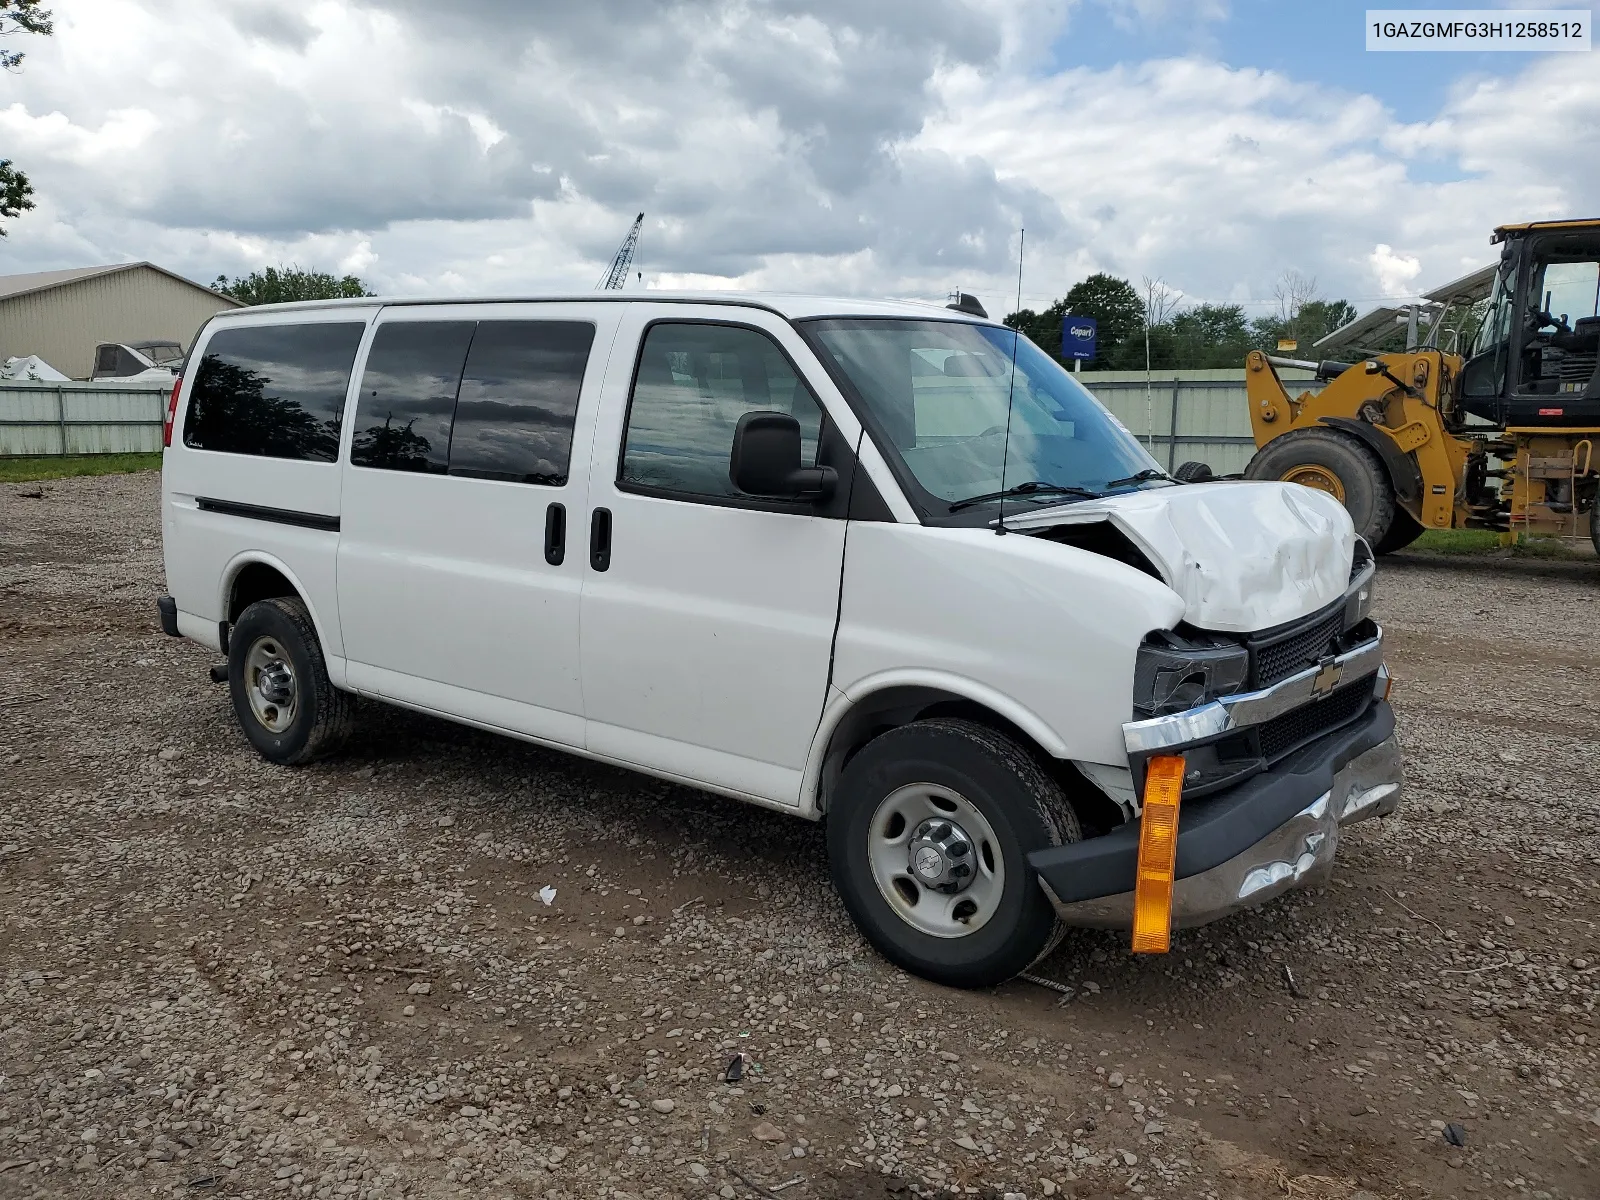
(1403, 530)
(1332, 462)
(1194, 472)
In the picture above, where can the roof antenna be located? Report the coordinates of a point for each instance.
(1011, 390)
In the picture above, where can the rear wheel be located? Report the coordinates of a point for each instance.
(1594, 524)
(1336, 463)
(1194, 472)
(1403, 530)
(278, 680)
(928, 837)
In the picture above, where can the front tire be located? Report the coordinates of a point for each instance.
(1336, 463)
(278, 680)
(1403, 530)
(928, 837)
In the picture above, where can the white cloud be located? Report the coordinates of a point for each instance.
(1396, 273)
(892, 147)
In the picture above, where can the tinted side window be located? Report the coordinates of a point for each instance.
(408, 396)
(273, 390)
(519, 400)
(693, 384)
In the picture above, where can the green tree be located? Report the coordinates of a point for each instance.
(279, 285)
(1112, 302)
(1312, 320)
(16, 193)
(1209, 335)
(21, 16)
(18, 16)
(1119, 316)
(1042, 329)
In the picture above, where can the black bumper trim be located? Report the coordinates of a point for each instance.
(168, 608)
(1216, 828)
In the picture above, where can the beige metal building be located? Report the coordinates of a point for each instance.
(62, 315)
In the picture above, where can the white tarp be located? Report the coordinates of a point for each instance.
(33, 368)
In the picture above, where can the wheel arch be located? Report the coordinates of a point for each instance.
(253, 575)
(875, 705)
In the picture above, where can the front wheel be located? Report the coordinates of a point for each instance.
(928, 838)
(278, 680)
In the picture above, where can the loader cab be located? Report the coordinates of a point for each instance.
(1533, 361)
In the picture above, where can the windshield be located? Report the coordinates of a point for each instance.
(937, 391)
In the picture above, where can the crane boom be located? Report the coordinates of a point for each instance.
(617, 276)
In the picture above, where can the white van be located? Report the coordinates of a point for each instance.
(759, 545)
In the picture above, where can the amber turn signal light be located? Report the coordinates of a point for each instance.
(1158, 856)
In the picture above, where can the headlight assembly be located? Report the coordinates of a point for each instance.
(1173, 674)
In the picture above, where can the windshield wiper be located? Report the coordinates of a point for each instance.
(1147, 474)
(1033, 487)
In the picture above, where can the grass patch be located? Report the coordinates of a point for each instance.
(1486, 541)
(26, 470)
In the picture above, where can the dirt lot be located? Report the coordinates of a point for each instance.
(221, 976)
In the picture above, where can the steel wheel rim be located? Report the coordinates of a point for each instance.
(271, 685)
(1314, 475)
(889, 835)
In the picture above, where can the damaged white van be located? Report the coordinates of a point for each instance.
(878, 564)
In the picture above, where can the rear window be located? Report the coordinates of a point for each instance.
(274, 391)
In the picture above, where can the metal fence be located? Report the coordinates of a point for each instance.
(81, 418)
(1201, 415)
(1183, 415)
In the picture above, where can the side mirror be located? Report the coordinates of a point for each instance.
(766, 460)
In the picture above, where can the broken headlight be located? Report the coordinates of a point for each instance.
(1358, 599)
(1173, 674)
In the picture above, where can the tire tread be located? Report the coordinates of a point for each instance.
(1057, 820)
(333, 718)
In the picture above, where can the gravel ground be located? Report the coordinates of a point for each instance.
(221, 976)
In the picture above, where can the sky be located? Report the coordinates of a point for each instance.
(855, 147)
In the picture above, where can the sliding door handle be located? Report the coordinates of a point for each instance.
(600, 539)
(555, 534)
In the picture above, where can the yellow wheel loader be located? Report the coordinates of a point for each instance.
(1503, 435)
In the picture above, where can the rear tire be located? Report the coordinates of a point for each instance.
(1403, 530)
(1194, 472)
(278, 680)
(1594, 524)
(1332, 462)
(983, 803)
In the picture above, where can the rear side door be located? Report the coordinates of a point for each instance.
(708, 615)
(468, 470)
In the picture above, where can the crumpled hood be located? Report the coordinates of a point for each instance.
(1243, 555)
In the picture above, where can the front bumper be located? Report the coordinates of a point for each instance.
(1240, 848)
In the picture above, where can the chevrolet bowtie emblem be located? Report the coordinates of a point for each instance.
(1327, 677)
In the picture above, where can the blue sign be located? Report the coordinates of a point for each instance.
(1077, 337)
